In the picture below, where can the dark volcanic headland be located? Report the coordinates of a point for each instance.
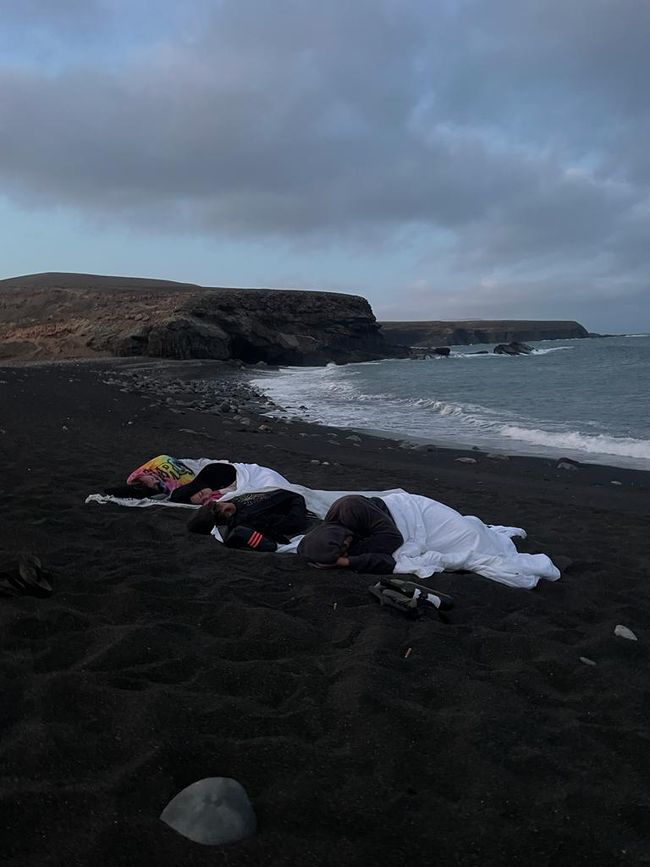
(62, 316)
(442, 333)
(82, 315)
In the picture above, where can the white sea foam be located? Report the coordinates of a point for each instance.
(548, 349)
(565, 407)
(599, 444)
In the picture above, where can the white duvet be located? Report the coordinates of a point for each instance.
(436, 537)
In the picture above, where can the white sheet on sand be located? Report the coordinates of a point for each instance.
(436, 537)
(250, 477)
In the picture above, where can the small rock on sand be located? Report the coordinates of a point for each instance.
(586, 661)
(196, 433)
(354, 438)
(567, 464)
(624, 632)
(466, 461)
(614, 482)
(214, 811)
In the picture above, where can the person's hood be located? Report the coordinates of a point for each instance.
(323, 544)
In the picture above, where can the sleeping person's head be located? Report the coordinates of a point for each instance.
(200, 498)
(210, 515)
(324, 544)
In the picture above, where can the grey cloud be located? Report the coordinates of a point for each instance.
(41, 26)
(63, 13)
(516, 127)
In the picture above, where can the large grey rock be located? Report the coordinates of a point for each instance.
(512, 348)
(213, 811)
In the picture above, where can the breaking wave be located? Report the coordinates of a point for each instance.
(599, 444)
(567, 404)
(483, 353)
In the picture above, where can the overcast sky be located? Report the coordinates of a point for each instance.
(444, 158)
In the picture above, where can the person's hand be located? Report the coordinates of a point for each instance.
(343, 562)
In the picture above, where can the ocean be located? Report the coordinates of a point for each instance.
(587, 399)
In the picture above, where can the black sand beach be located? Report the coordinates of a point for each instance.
(161, 659)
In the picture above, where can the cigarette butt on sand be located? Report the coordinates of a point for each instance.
(408, 653)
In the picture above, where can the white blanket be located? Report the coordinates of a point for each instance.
(250, 477)
(436, 537)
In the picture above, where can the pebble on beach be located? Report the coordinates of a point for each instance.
(213, 811)
(624, 632)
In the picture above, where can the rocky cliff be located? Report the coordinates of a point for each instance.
(430, 334)
(79, 315)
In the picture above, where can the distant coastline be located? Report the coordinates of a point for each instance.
(68, 315)
(464, 332)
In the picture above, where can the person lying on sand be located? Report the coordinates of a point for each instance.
(208, 485)
(256, 520)
(358, 533)
(165, 476)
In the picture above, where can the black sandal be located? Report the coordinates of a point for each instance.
(408, 597)
(395, 599)
(442, 601)
(29, 579)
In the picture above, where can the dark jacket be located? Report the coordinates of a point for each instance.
(375, 532)
(278, 514)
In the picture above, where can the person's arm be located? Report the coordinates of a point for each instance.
(288, 517)
(369, 521)
(246, 537)
(294, 520)
(387, 540)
